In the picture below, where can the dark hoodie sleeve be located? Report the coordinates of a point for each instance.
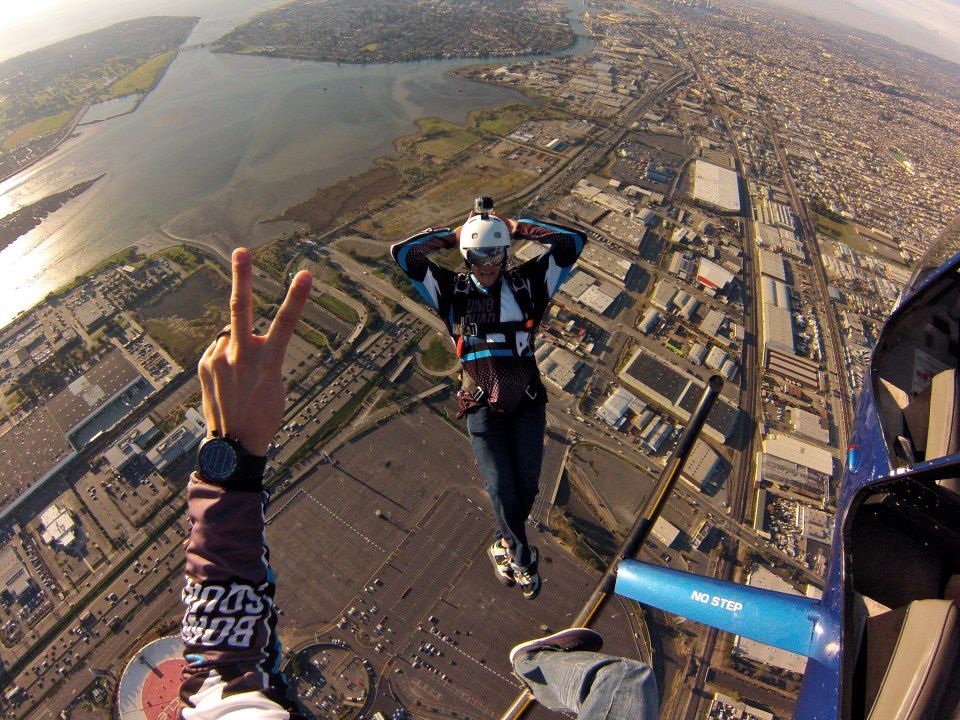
(229, 626)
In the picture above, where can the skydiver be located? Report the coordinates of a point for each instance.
(229, 627)
(492, 315)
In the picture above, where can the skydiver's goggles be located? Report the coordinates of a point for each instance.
(486, 256)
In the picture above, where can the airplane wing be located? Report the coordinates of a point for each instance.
(773, 618)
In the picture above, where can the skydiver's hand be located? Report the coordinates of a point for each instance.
(241, 373)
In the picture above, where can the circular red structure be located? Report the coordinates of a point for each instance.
(159, 693)
(150, 683)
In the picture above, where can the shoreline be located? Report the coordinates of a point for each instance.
(77, 120)
(362, 194)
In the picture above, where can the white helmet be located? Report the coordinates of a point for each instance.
(484, 238)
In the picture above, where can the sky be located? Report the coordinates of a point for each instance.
(929, 25)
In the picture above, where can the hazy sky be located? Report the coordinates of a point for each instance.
(930, 25)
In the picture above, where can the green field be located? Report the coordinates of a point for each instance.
(339, 308)
(437, 357)
(443, 139)
(502, 121)
(141, 79)
(36, 129)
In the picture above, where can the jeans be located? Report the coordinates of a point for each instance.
(509, 451)
(592, 685)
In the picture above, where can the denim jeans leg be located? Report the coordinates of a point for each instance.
(488, 436)
(526, 456)
(592, 685)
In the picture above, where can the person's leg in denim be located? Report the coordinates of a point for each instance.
(526, 457)
(491, 435)
(592, 685)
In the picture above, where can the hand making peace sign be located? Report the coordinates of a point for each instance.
(241, 373)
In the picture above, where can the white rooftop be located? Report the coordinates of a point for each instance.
(796, 451)
(716, 186)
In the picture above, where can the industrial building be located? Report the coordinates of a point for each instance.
(14, 579)
(796, 466)
(663, 295)
(702, 463)
(181, 440)
(606, 264)
(649, 320)
(677, 392)
(134, 443)
(711, 324)
(773, 265)
(558, 365)
(40, 445)
(713, 276)
(58, 528)
(665, 531)
(617, 408)
(808, 425)
(716, 187)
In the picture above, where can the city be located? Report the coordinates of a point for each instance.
(756, 187)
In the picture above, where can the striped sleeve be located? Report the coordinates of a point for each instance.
(431, 281)
(229, 626)
(553, 267)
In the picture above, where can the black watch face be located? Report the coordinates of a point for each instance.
(218, 460)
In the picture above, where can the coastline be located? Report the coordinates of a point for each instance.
(76, 120)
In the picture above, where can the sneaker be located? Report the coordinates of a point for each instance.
(564, 641)
(529, 583)
(500, 557)
(528, 578)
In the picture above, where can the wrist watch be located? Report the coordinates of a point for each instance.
(223, 461)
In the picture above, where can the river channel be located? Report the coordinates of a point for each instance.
(223, 142)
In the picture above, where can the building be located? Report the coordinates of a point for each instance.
(181, 440)
(14, 578)
(665, 531)
(654, 434)
(678, 393)
(663, 295)
(775, 308)
(58, 527)
(796, 466)
(716, 187)
(558, 365)
(757, 651)
(772, 265)
(715, 358)
(93, 392)
(713, 276)
(617, 408)
(808, 425)
(133, 444)
(802, 371)
(711, 324)
(649, 320)
(702, 463)
(606, 264)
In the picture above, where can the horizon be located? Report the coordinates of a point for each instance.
(930, 26)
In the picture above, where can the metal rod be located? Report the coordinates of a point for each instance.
(641, 528)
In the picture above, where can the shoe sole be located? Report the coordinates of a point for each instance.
(504, 580)
(517, 649)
